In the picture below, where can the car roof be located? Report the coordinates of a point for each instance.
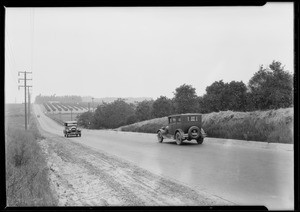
(185, 114)
(71, 122)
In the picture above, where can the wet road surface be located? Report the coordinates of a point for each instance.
(241, 174)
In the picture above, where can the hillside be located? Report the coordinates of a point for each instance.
(275, 126)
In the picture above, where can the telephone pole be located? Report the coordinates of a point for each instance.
(25, 91)
(93, 103)
(28, 107)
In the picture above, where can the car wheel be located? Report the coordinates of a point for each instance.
(67, 135)
(192, 130)
(200, 140)
(178, 138)
(79, 135)
(160, 138)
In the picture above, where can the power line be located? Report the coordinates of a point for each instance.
(11, 70)
(32, 35)
(10, 51)
(32, 41)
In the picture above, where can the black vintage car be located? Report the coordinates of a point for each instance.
(183, 127)
(71, 129)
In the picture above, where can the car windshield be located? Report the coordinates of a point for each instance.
(174, 119)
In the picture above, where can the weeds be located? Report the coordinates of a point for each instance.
(26, 168)
(274, 126)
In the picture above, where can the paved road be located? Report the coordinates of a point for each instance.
(245, 175)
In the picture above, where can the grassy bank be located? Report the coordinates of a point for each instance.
(275, 126)
(26, 169)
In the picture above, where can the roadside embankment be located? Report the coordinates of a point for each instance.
(26, 168)
(273, 126)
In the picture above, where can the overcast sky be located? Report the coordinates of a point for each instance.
(142, 51)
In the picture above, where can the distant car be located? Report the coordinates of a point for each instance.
(183, 127)
(71, 129)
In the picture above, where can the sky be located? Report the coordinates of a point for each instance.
(141, 51)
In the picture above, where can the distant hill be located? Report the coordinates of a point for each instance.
(111, 99)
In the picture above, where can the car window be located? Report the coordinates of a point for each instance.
(173, 120)
(194, 118)
(179, 119)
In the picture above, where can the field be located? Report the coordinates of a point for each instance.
(26, 170)
(274, 126)
(66, 107)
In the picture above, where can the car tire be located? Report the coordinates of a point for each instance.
(190, 132)
(79, 135)
(160, 138)
(178, 138)
(200, 140)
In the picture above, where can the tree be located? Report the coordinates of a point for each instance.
(162, 106)
(143, 110)
(236, 96)
(214, 98)
(65, 99)
(113, 115)
(185, 99)
(222, 96)
(271, 88)
(86, 119)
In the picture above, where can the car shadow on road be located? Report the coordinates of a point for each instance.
(186, 143)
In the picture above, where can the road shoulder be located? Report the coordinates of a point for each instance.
(82, 176)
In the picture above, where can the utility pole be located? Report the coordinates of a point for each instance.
(25, 91)
(28, 107)
(93, 104)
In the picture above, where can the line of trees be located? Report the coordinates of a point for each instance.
(269, 88)
(39, 99)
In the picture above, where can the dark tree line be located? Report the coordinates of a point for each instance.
(63, 99)
(269, 88)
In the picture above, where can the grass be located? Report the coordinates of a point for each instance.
(27, 181)
(274, 126)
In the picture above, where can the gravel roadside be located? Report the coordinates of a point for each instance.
(81, 176)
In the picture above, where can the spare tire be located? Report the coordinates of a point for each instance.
(194, 132)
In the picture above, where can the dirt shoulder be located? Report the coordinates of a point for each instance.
(81, 176)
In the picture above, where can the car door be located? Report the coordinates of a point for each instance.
(172, 125)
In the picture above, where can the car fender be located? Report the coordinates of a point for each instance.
(203, 133)
(163, 132)
(178, 130)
